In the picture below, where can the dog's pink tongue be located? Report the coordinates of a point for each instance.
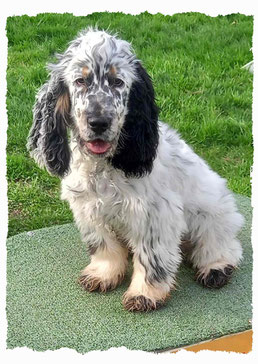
(98, 146)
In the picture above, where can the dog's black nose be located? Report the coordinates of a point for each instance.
(99, 125)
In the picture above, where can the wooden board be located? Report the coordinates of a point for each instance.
(239, 343)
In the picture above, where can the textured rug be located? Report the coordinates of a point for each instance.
(47, 309)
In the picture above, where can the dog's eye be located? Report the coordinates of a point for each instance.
(84, 81)
(118, 82)
(115, 82)
(80, 82)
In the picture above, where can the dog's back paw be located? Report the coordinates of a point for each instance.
(215, 278)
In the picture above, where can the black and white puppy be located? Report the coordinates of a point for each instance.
(131, 181)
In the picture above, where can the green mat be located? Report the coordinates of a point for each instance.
(47, 309)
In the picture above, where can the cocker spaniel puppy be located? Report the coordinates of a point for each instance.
(132, 183)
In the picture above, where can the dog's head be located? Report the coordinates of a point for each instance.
(101, 91)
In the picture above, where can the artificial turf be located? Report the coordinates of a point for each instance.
(47, 309)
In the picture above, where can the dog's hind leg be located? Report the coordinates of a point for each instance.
(215, 249)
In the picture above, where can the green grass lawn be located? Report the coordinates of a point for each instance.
(195, 62)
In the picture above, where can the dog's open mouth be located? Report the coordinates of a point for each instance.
(98, 146)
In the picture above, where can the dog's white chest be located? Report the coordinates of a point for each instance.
(103, 188)
(97, 198)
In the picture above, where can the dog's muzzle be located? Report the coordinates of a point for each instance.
(98, 126)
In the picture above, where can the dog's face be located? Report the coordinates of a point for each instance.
(101, 91)
(99, 76)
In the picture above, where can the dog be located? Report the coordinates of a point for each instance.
(133, 184)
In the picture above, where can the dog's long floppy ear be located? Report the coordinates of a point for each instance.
(47, 141)
(138, 142)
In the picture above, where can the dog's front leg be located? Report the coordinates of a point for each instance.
(108, 262)
(155, 263)
(144, 295)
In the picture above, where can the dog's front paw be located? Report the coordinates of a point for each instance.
(140, 303)
(90, 283)
(215, 278)
(101, 277)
